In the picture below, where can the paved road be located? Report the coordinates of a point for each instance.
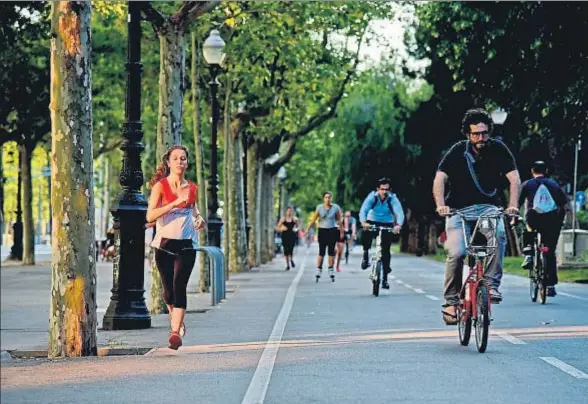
(286, 339)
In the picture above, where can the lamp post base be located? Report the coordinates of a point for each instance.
(127, 309)
(215, 224)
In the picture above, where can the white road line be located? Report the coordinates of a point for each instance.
(564, 367)
(408, 286)
(259, 383)
(431, 297)
(398, 281)
(510, 338)
(420, 291)
(392, 277)
(574, 296)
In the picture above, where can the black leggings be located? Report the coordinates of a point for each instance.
(175, 260)
(327, 238)
(288, 241)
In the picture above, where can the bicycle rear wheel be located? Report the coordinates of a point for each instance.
(464, 325)
(542, 280)
(482, 318)
(376, 276)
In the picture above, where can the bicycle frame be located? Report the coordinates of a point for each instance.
(477, 256)
(377, 256)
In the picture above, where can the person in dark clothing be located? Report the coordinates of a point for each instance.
(545, 206)
(288, 226)
(475, 170)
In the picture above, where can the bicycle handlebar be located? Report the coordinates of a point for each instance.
(373, 227)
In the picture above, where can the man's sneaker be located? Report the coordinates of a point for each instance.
(385, 284)
(495, 296)
(551, 291)
(527, 262)
(292, 263)
(365, 260)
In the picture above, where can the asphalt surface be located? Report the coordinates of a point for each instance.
(282, 338)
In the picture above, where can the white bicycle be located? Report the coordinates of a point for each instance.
(376, 274)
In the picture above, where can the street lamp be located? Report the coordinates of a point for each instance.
(214, 56)
(282, 175)
(499, 116)
(127, 309)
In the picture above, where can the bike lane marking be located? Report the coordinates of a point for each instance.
(570, 295)
(510, 338)
(564, 367)
(260, 381)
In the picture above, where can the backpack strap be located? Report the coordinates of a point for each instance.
(388, 200)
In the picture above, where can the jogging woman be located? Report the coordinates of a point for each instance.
(172, 206)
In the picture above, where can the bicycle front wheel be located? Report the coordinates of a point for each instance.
(533, 286)
(376, 276)
(464, 325)
(482, 318)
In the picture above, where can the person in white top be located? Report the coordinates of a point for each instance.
(173, 208)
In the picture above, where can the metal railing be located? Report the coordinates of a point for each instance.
(216, 260)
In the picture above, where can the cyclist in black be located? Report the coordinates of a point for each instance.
(545, 205)
(475, 169)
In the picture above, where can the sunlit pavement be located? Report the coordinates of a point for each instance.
(282, 338)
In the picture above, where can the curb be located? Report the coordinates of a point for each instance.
(8, 356)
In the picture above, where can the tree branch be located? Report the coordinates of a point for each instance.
(156, 18)
(106, 148)
(191, 10)
(329, 109)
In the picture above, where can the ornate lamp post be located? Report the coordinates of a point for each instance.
(127, 309)
(499, 115)
(214, 56)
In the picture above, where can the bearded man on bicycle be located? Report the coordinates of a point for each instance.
(381, 208)
(475, 169)
(545, 207)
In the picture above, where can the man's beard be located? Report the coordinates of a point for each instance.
(481, 146)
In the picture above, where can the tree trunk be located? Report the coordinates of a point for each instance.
(171, 88)
(16, 250)
(72, 324)
(258, 222)
(252, 198)
(2, 218)
(236, 185)
(269, 218)
(169, 123)
(432, 240)
(199, 160)
(28, 256)
(106, 192)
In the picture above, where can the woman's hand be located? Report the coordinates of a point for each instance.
(200, 223)
(181, 200)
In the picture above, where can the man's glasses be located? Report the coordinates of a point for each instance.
(478, 135)
(384, 189)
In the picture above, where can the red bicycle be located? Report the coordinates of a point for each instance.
(475, 305)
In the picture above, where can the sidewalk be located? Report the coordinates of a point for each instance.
(25, 299)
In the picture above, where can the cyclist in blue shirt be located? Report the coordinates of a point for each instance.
(381, 208)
